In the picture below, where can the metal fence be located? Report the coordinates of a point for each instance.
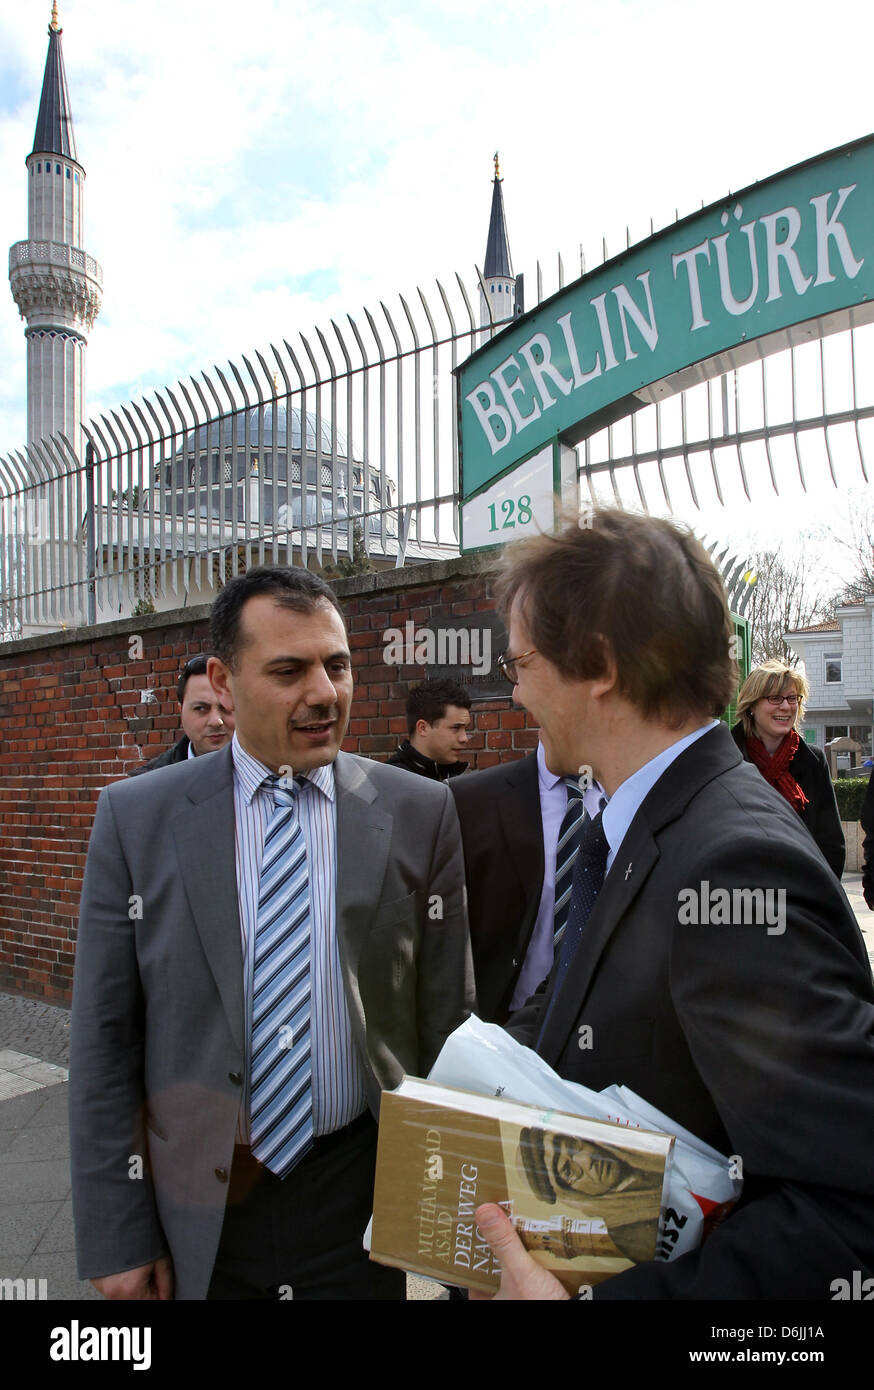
(341, 450)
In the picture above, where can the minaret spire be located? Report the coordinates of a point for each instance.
(500, 281)
(56, 285)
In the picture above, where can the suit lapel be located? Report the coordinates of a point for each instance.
(204, 835)
(639, 851)
(636, 856)
(364, 832)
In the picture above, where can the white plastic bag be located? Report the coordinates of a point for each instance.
(700, 1189)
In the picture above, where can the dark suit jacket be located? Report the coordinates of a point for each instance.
(157, 1045)
(502, 834)
(178, 753)
(820, 815)
(762, 1044)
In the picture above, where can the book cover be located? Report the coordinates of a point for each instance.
(584, 1195)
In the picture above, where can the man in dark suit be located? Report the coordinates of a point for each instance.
(267, 939)
(511, 817)
(717, 969)
(207, 724)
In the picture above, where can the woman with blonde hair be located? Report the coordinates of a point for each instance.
(770, 707)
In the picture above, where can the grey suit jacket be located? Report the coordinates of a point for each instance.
(157, 1051)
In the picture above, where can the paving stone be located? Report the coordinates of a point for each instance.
(13, 1085)
(60, 1234)
(38, 1144)
(44, 1073)
(23, 1225)
(37, 1029)
(53, 1110)
(21, 1110)
(35, 1182)
(59, 1272)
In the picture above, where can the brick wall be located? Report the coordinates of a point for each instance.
(72, 720)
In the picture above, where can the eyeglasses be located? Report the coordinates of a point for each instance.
(507, 664)
(791, 700)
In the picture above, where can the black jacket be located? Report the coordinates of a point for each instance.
(757, 1040)
(502, 833)
(411, 760)
(177, 754)
(820, 815)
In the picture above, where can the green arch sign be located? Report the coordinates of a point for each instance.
(786, 260)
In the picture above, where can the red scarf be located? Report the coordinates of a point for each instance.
(776, 769)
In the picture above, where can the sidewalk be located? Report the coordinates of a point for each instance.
(36, 1219)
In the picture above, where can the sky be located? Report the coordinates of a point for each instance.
(254, 170)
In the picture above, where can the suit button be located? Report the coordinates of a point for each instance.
(515, 962)
(236, 1077)
(221, 1174)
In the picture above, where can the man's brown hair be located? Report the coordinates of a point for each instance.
(635, 588)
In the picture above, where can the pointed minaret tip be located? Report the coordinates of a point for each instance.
(497, 169)
(55, 24)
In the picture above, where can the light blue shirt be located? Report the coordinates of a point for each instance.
(629, 797)
(339, 1094)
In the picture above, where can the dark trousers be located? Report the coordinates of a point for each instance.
(300, 1237)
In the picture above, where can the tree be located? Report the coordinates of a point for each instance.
(854, 540)
(130, 497)
(358, 563)
(784, 597)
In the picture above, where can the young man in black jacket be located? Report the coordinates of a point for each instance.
(438, 720)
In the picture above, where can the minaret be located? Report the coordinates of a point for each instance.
(498, 274)
(56, 285)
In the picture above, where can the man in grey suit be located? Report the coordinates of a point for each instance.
(281, 881)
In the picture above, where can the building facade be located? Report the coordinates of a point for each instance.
(838, 659)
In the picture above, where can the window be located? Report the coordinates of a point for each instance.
(833, 670)
(57, 168)
(836, 731)
(68, 173)
(500, 288)
(39, 168)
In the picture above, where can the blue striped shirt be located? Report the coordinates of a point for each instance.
(339, 1094)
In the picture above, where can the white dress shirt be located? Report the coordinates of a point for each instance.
(339, 1094)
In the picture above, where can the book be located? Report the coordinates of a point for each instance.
(584, 1195)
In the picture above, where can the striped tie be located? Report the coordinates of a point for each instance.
(566, 852)
(589, 873)
(281, 1099)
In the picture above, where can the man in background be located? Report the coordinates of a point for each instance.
(520, 827)
(438, 721)
(207, 722)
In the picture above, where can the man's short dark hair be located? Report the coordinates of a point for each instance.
(291, 586)
(638, 589)
(195, 666)
(429, 699)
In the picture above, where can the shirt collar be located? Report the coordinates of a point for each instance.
(250, 773)
(549, 780)
(627, 798)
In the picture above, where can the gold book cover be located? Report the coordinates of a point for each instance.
(584, 1195)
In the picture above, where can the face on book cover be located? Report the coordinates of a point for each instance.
(579, 1166)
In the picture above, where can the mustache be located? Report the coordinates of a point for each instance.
(319, 714)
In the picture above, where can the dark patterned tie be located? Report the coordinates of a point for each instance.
(566, 852)
(590, 868)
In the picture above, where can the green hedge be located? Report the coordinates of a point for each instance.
(850, 792)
